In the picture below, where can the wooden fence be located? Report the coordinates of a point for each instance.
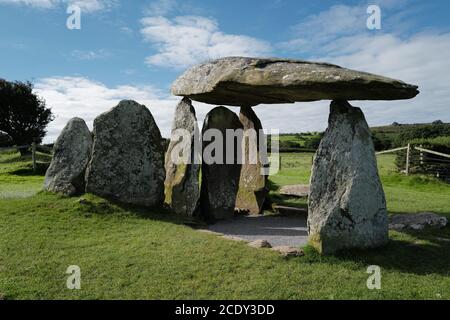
(34, 148)
(429, 160)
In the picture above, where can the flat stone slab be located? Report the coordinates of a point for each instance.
(240, 81)
(284, 210)
(278, 231)
(417, 221)
(296, 190)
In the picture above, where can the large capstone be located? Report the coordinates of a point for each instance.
(252, 183)
(182, 187)
(239, 81)
(347, 206)
(220, 168)
(71, 154)
(128, 158)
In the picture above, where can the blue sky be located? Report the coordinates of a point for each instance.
(136, 49)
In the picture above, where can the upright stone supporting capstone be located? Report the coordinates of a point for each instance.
(220, 168)
(182, 185)
(127, 159)
(252, 183)
(347, 206)
(71, 154)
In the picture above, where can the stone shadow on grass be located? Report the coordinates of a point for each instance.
(420, 253)
(102, 206)
(41, 169)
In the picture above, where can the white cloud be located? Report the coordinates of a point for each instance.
(418, 60)
(187, 40)
(93, 5)
(316, 32)
(182, 41)
(87, 6)
(338, 35)
(161, 7)
(45, 4)
(81, 97)
(90, 54)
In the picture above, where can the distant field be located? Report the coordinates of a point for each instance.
(135, 253)
(401, 127)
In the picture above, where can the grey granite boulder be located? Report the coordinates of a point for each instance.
(417, 221)
(182, 185)
(239, 81)
(220, 178)
(127, 159)
(252, 183)
(347, 206)
(71, 154)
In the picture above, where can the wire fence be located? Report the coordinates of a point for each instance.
(409, 159)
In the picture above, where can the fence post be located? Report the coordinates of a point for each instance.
(421, 156)
(33, 155)
(408, 155)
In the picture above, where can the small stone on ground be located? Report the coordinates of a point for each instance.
(288, 252)
(260, 244)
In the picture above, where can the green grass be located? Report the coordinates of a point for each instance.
(134, 253)
(16, 177)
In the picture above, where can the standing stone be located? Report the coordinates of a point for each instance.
(71, 154)
(182, 187)
(220, 178)
(128, 159)
(347, 206)
(252, 183)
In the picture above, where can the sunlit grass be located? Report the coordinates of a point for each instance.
(136, 253)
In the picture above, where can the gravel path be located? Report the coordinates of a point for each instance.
(278, 230)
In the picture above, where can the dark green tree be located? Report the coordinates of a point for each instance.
(5, 140)
(23, 115)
